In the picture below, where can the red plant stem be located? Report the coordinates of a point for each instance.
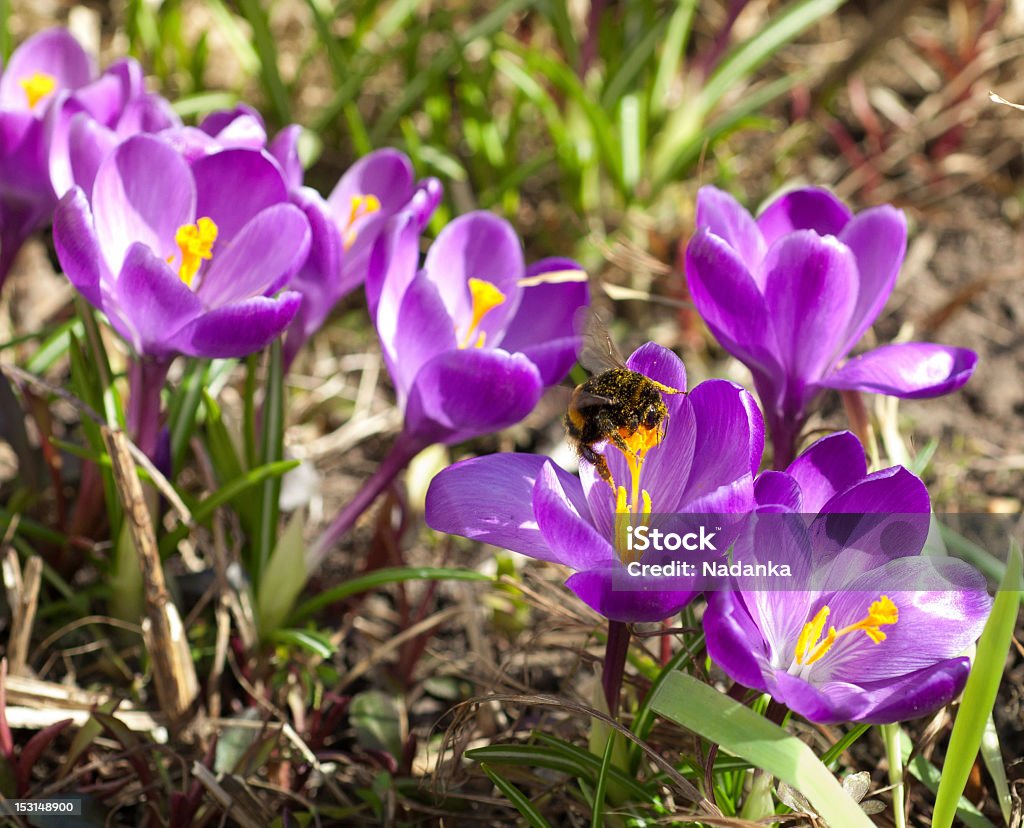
(146, 378)
(402, 452)
(615, 652)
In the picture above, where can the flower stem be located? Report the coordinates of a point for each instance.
(146, 378)
(616, 650)
(401, 453)
(894, 753)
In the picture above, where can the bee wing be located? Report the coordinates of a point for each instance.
(599, 353)
(584, 399)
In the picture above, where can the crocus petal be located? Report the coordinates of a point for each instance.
(477, 245)
(911, 370)
(461, 394)
(730, 302)
(393, 264)
(553, 292)
(239, 329)
(723, 215)
(285, 151)
(385, 173)
(490, 499)
(155, 302)
(810, 292)
(809, 208)
(878, 239)
(426, 331)
(777, 489)
(53, 52)
(223, 176)
(828, 706)
(239, 126)
(261, 258)
(829, 466)
(143, 193)
(618, 596)
(734, 642)
(74, 237)
(564, 520)
(915, 695)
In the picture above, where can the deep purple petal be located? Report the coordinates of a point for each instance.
(730, 302)
(830, 706)
(733, 640)
(259, 259)
(393, 265)
(385, 173)
(564, 520)
(916, 695)
(52, 52)
(143, 193)
(810, 292)
(894, 490)
(155, 303)
(616, 595)
(911, 370)
(238, 329)
(810, 208)
(724, 216)
(777, 489)
(425, 330)
(74, 237)
(234, 185)
(490, 499)
(285, 150)
(878, 239)
(465, 393)
(829, 466)
(477, 245)
(542, 328)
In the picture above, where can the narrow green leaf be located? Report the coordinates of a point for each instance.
(183, 408)
(928, 775)
(993, 758)
(317, 643)
(517, 798)
(283, 578)
(742, 732)
(597, 813)
(266, 50)
(980, 693)
(271, 451)
(379, 578)
(672, 51)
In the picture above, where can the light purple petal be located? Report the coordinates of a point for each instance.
(730, 302)
(465, 393)
(911, 370)
(88, 143)
(78, 250)
(234, 185)
(490, 499)
(143, 193)
(154, 301)
(242, 121)
(543, 325)
(425, 331)
(830, 706)
(810, 208)
(616, 595)
(724, 216)
(260, 259)
(393, 264)
(285, 150)
(878, 239)
(477, 245)
(564, 521)
(810, 292)
(53, 52)
(829, 466)
(239, 329)
(385, 173)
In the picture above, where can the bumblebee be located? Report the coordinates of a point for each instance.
(615, 404)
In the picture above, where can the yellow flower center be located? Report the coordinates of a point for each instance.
(810, 646)
(37, 86)
(195, 241)
(633, 507)
(360, 207)
(486, 297)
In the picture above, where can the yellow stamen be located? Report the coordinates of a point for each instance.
(809, 649)
(486, 297)
(360, 207)
(37, 86)
(195, 241)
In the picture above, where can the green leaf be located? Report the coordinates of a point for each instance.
(672, 52)
(271, 451)
(266, 50)
(521, 802)
(993, 758)
(742, 732)
(317, 643)
(282, 579)
(929, 775)
(980, 693)
(378, 719)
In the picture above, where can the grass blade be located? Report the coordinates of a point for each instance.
(739, 730)
(517, 798)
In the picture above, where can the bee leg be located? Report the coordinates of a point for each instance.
(599, 463)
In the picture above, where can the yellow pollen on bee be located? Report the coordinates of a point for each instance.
(809, 648)
(37, 86)
(360, 206)
(195, 241)
(486, 297)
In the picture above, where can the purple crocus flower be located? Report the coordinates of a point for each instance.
(791, 293)
(881, 640)
(704, 463)
(184, 259)
(473, 336)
